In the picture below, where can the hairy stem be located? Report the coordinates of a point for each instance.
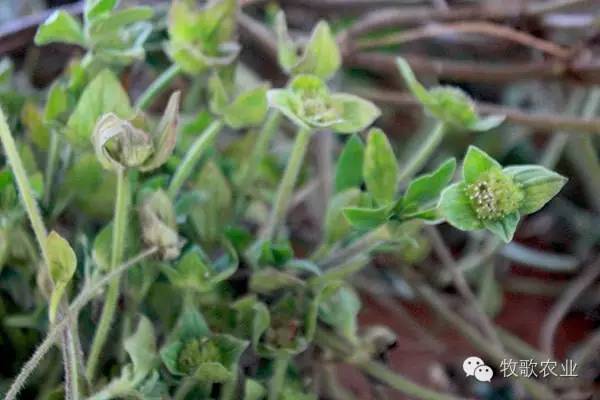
(280, 366)
(248, 175)
(288, 182)
(157, 87)
(420, 157)
(186, 167)
(362, 245)
(84, 297)
(31, 206)
(40, 232)
(112, 294)
(50, 166)
(379, 371)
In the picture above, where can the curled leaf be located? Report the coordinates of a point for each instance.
(159, 228)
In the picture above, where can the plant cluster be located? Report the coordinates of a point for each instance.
(183, 244)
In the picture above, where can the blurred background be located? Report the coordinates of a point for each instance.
(537, 62)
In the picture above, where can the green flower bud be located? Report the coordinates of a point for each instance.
(197, 352)
(119, 144)
(122, 144)
(309, 104)
(448, 104)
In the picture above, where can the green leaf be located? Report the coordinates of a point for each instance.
(95, 8)
(336, 223)
(62, 266)
(487, 123)
(456, 207)
(164, 136)
(107, 27)
(539, 185)
(6, 71)
(191, 325)
(340, 311)
(367, 218)
(212, 372)
(356, 113)
(504, 228)
(103, 95)
(477, 162)
(380, 169)
(260, 323)
(348, 171)
(57, 102)
(289, 104)
(425, 189)
(248, 109)
(60, 27)
(36, 129)
(268, 280)
(287, 50)
(253, 390)
(159, 226)
(141, 347)
(219, 96)
(321, 56)
(418, 90)
(101, 248)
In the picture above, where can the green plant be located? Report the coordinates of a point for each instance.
(223, 301)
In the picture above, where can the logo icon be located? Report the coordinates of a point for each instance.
(474, 366)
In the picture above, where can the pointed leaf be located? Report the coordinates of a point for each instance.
(103, 95)
(426, 188)
(380, 168)
(356, 113)
(477, 162)
(321, 56)
(456, 207)
(367, 218)
(287, 51)
(141, 347)
(504, 228)
(539, 185)
(62, 266)
(248, 109)
(60, 27)
(348, 172)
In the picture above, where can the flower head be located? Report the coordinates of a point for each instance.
(121, 143)
(493, 197)
(448, 104)
(309, 104)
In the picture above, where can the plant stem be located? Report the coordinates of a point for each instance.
(31, 206)
(420, 157)
(362, 245)
(40, 232)
(462, 286)
(84, 297)
(112, 294)
(185, 168)
(379, 371)
(265, 135)
(383, 374)
(186, 386)
(280, 366)
(156, 87)
(50, 166)
(288, 182)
